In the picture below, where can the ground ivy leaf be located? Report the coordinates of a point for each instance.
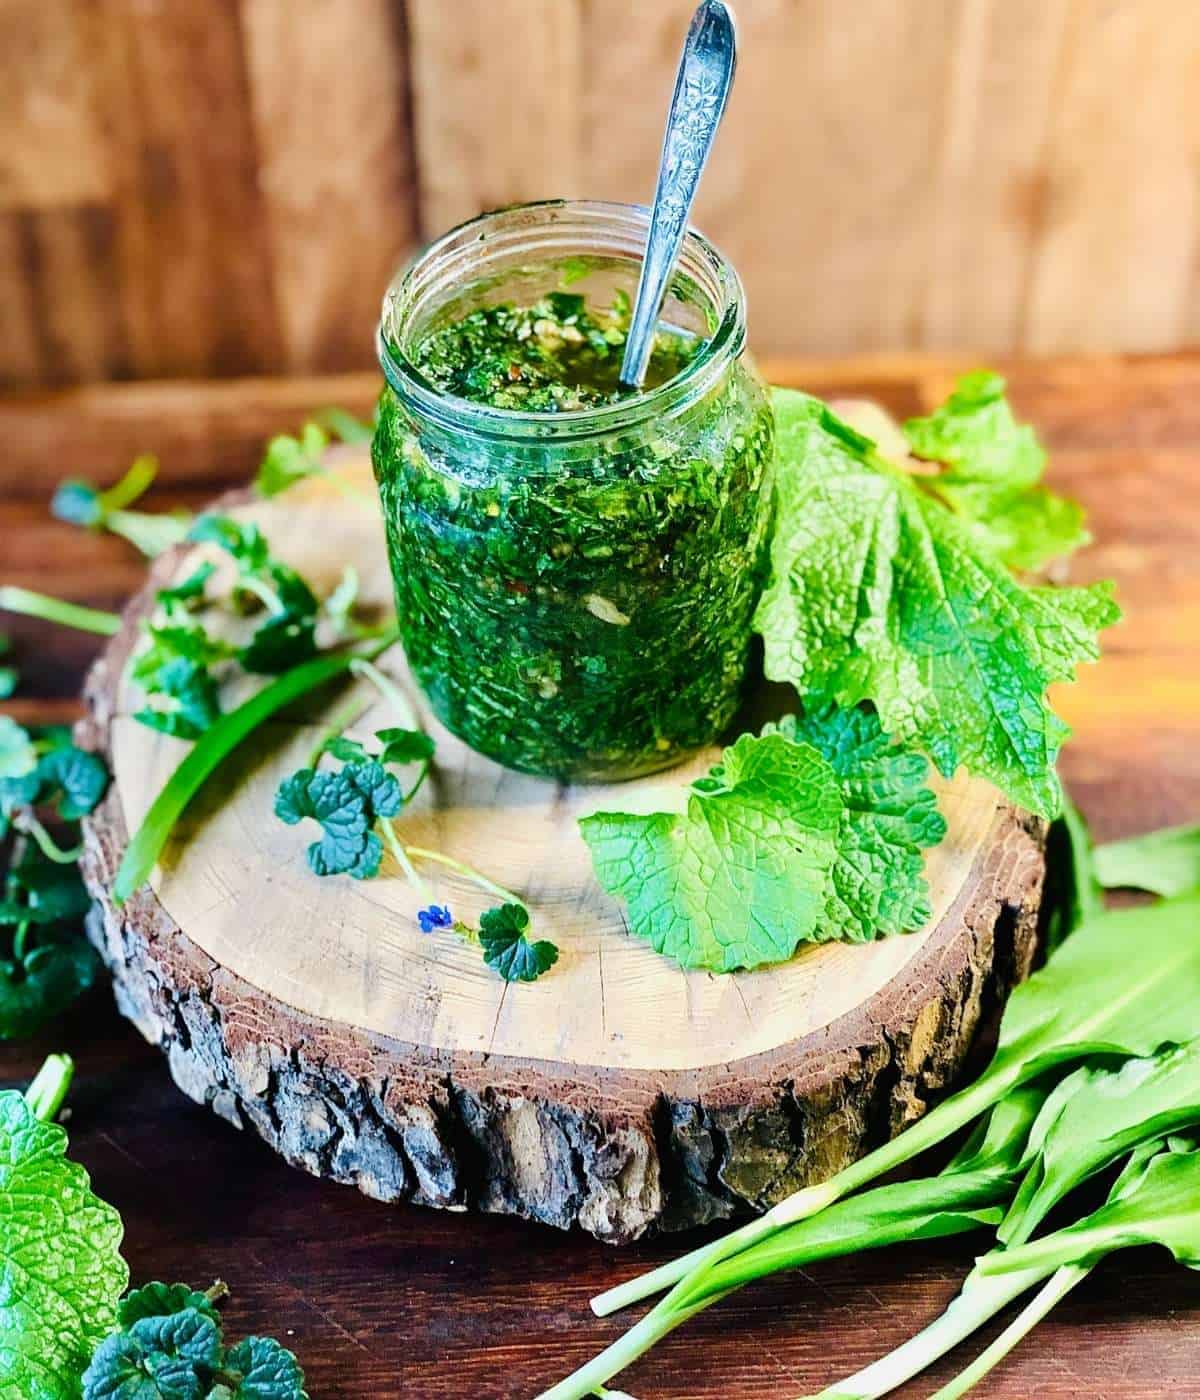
(507, 950)
(17, 754)
(739, 878)
(48, 978)
(379, 788)
(878, 592)
(268, 1371)
(404, 746)
(61, 1272)
(347, 845)
(190, 1335)
(73, 778)
(161, 1300)
(192, 700)
(877, 884)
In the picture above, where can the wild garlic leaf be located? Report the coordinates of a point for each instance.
(1096, 1117)
(1159, 1207)
(267, 1371)
(72, 780)
(507, 950)
(61, 1271)
(877, 885)
(993, 469)
(1165, 862)
(1072, 893)
(877, 592)
(739, 877)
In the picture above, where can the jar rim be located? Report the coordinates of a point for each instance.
(459, 246)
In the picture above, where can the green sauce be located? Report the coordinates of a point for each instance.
(555, 356)
(575, 604)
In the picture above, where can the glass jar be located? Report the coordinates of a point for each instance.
(575, 589)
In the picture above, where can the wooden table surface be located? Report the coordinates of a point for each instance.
(383, 1301)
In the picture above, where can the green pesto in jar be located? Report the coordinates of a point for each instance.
(576, 606)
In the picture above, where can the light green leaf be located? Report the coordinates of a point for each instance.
(61, 1272)
(1096, 1116)
(1161, 1208)
(877, 591)
(739, 878)
(993, 467)
(1166, 862)
(877, 885)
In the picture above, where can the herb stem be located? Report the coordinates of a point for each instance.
(264, 591)
(402, 857)
(31, 604)
(416, 787)
(209, 752)
(30, 825)
(49, 1086)
(18, 949)
(466, 871)
(342, 719)
(388, 689)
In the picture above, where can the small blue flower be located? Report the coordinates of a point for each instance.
(436, 916)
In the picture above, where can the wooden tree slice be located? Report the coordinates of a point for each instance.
(617, 1092)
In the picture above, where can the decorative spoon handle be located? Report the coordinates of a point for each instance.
(702, 86)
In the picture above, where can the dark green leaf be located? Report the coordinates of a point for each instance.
(268, 1371)
(507, 950)
(192, 696)
(162, 1300)
(279, 644)
(877, 884)
(1072, 893)
(72, 779)
(191, 1335)
(383, 794)
(50, 977)
(347, 845)
(404, 746)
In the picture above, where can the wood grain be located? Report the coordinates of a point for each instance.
(224, 188)
(775, 1077)
(433, 1306)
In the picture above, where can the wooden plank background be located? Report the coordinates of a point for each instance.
(223, 187)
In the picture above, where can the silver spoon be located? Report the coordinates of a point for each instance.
(702, 86)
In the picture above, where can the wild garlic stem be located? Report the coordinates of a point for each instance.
(467, 872)
(31, 604)
(49, 1086)
(1055, 1288)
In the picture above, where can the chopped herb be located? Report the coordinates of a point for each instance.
(580, 610)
